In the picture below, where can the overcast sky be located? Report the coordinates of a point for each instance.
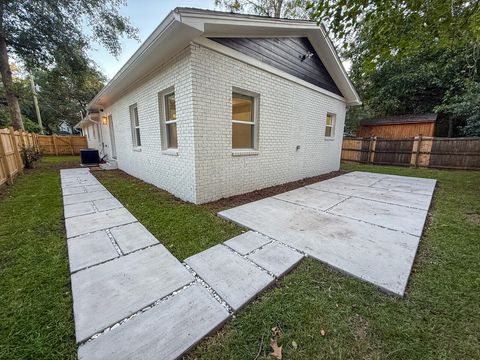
(145, 15)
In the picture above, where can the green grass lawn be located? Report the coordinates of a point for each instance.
(438, 318)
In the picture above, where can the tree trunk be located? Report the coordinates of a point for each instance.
(277, 8)
(12, 99)
(450, 128)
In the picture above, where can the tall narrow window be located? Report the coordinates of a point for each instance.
(243, 121)
(170, 121)
(330, 126)
(135, 124)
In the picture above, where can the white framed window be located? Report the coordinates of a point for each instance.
(170, 120)
(330, 125)
(135, 124)
(244, 120)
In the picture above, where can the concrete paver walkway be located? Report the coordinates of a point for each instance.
(132, 299)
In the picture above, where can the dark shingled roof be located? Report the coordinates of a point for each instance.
(402, 119)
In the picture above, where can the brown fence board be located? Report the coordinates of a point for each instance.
(445, 153)
(61, 145)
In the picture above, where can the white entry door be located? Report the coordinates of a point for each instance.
(112, 136)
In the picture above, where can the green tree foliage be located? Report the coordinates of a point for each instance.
(48, 33)
(411, 56)
(292, 9)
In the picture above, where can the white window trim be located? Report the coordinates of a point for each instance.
(333, 126)
(134, 127)
(254, 123)
(162, 104)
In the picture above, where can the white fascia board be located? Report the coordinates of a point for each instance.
(327, 53)
(222, 49)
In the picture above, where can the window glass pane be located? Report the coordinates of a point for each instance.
(172, 136)
(242, 107)
(135, 116)
(171, 109)
(328, 131)
(137, 137)
(242, 136)
(329, 119)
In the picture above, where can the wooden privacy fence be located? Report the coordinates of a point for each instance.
(11, 144)
(61, 145)
(448, 153)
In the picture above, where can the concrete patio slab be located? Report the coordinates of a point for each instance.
(381, 256)
(107, 204)
(391, 216)
(132, 237)
(165, 331)
(235, 279)
(78, 198)
(94, 188)
(78, 209)
(91, 249)
(97, 221)
(359, 178)
(418, 201)
(309, 197)
(276, 258)
(413, 187)
(247, 242)
(110, 292)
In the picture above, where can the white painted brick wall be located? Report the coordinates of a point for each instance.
(175, 174)
(205, 169)
(290, 115)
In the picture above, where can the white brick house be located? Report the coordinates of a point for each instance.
(215, 104)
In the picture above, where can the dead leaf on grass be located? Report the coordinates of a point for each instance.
(275, 331)
(322, 332)
(294, 344)
(277, 350)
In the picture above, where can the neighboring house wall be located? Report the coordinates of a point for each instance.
(174, 172)
(291, 115)
(397, 131)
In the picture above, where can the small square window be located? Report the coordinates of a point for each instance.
(330, 126)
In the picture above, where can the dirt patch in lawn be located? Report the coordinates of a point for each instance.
(474, 218)
(230, 202)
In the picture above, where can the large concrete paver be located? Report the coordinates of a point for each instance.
(112, 291)
(381, 256)
(97, 221)
(395, 217)
(78, 209)
(78, 198)
(309, 197)
(276, 258)
(235, 279)
(132, 237)
(90, 249)
(247, 242)
(165, 332)
(107, 204)
(412, 186)
(419, 201)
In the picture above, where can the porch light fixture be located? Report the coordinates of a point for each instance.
(104, 120)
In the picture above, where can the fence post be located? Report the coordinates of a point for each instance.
(54, 137)
(4, 162)
(15, 149)
(417, 155)
(373, 145)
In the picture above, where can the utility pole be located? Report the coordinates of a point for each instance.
(35, 102)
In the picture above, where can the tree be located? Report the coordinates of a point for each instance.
(410, 56)
(49, 33)
(293, 9)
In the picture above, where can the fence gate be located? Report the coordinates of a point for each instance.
(393, 151)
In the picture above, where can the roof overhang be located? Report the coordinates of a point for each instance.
(90, 118)
(184, 25)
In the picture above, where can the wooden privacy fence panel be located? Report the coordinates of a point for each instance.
(61, 145)
(450, 153)
(11, 144)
